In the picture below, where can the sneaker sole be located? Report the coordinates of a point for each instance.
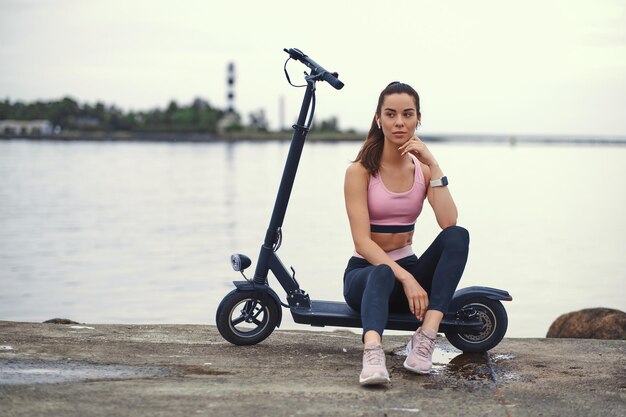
(417, 371)
(375, 379)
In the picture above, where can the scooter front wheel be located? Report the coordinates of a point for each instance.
(243, 319)
(495, 322)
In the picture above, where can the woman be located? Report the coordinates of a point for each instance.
(385, 188)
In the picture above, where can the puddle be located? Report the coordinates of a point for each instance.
(469, 366)
(503, 357)
(43, 372)
(451, 362)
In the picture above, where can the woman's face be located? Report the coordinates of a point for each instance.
(398, 117)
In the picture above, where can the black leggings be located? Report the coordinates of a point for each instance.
(374, 291)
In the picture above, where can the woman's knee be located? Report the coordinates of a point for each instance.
(382, 277)
(456, 235)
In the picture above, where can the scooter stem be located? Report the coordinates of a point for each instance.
(286, 186)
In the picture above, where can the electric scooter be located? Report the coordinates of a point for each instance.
(476, 320)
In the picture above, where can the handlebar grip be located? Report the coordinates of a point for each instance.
(331, 78)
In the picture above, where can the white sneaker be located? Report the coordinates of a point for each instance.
(420, 348)
(374, 369)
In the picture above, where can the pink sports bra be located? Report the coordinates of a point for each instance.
(395, 212)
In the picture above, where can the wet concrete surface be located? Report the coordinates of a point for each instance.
(182, 370)
(51, 372)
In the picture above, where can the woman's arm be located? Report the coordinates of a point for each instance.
(355, 192)
(439, 198)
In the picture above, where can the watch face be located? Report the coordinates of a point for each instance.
(444, 180)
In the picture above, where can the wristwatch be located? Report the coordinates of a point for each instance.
(441, 182)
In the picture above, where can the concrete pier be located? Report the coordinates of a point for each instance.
(187, 370)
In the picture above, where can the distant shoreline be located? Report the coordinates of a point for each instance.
(120, 136)
(190, 137)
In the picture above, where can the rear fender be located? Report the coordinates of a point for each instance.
(461, 296)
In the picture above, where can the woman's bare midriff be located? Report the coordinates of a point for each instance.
(392, 241)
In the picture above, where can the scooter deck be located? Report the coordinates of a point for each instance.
(336, 313)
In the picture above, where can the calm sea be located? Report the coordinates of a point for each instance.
(142, 232)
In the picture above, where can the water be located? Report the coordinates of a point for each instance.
(142, 232)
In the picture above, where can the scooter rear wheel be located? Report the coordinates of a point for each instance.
(495, 322)
(242, 319)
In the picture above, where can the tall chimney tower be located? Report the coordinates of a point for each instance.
(230, 87)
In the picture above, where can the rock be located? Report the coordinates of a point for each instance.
(591, 323)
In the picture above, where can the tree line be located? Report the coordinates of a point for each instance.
(198, 116)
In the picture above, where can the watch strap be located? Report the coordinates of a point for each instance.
(441, 182)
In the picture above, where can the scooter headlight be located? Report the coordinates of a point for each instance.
(240, 262)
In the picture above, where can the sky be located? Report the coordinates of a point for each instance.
(532, 67)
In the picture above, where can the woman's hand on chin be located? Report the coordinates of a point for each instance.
(419, 150)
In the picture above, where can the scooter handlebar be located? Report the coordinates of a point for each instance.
(330, 77)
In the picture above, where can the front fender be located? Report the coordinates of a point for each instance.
(263, 290)
(461, 296)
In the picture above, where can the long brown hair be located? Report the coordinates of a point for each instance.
(372, 149)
